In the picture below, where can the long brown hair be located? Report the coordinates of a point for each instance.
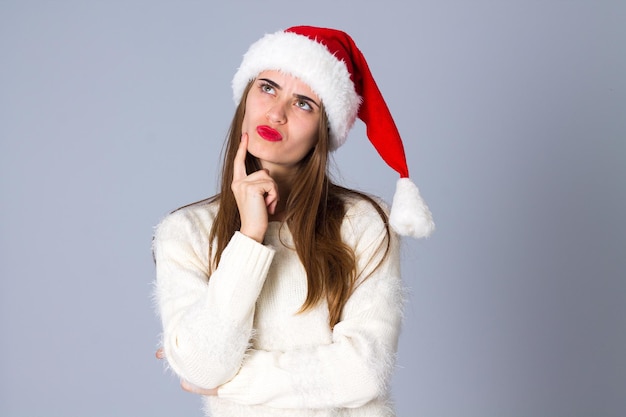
(329, 263)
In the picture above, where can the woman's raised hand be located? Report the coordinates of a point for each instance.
(256, 195)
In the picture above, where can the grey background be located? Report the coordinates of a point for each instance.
(513, 114)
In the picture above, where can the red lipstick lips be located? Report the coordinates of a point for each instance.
(268, 133)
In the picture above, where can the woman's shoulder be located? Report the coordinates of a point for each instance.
(359, 205)
(365, 214)
(194, 218)
(365, 227)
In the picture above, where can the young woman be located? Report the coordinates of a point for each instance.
(281, 295)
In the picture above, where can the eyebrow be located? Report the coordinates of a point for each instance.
(298, 96)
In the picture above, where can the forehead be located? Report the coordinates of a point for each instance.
(288, 82)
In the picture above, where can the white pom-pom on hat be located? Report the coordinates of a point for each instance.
(410, 216)
(329, 62)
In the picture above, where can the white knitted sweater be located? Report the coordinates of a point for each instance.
(241, 331)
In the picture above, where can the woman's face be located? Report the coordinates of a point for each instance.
(281, 119)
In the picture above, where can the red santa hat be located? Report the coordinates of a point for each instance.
(329, 62)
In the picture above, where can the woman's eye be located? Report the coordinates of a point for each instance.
(266, 88)
(304, 105)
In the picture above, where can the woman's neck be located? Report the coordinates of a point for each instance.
(284, 182)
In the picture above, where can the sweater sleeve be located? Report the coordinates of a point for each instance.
(355, 367)
(207, 323)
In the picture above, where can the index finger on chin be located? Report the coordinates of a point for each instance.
(239, 166)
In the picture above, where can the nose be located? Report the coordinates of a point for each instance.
(277, 114)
